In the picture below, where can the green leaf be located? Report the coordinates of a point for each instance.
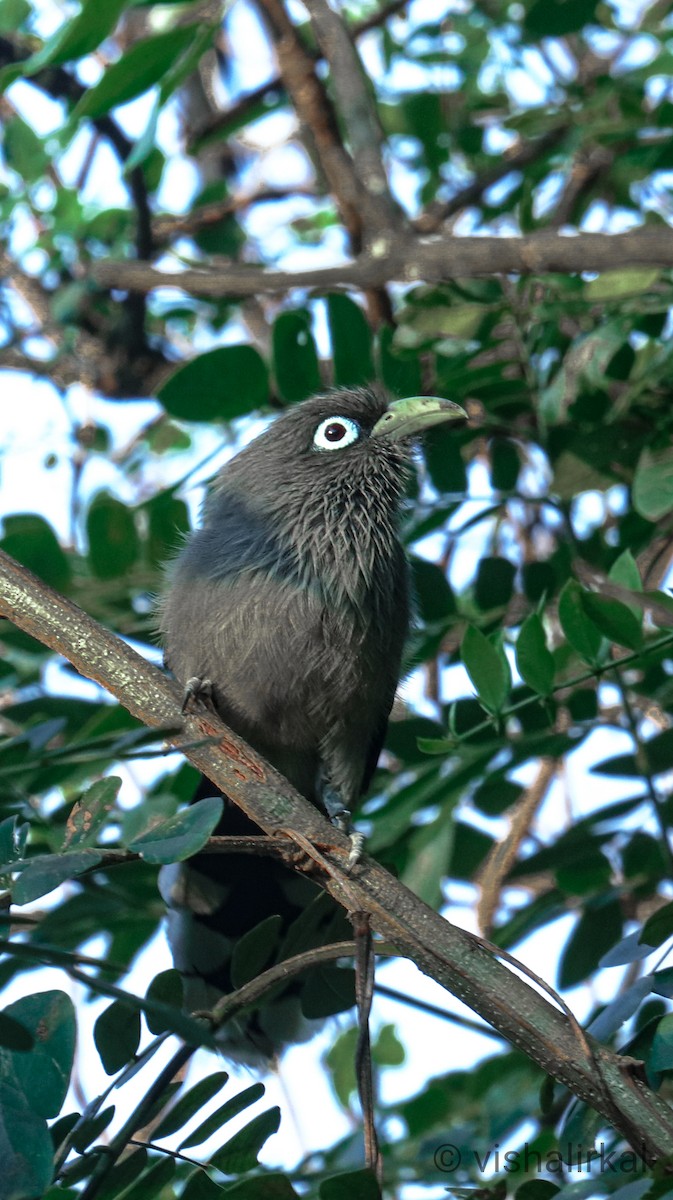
(537, 1189)
(432, 591)
(125, 1173)
(534, 661)
(91, 812)
(327, 990)
(200, 1186)
(429, 853)
(556, 18)
(226, 1112)
(24, 150)
(26, 1150)
(505, 464)
(494, 583)
(138, 69)
(165, 994)
(88, 1129)
(12, 14)
(339, 1060)
(351, 341)
(42, 1075)
(626, 573)
(441, 451)
(616, 621)
(621, 1009)
(612, 285)
(31, 541)
(276, 1187)
(49, 871)
(662, 982)
(72, 40)
(661, 1058)
(168, 522)
(117, 1036)
(487, 668)
(153, 1182)
(229, 382)
(13, 838)
(656, 756)
(190, 1104)
(401, 373)
(578, 628)
(597, 930)
(182, 835)
(14, 1035)
(659, 927)
(628, 950)
(253, 952)
(295, 357)
(240, 1153)
(112, 536)
(653, 483)
(145, 146)
(351, 1185)
(387, 1049)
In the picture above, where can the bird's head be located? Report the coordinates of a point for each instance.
(320, 491)
(344, 436)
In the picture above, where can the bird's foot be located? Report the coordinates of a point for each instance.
(357, 841)
(341, 818)
(197, 688)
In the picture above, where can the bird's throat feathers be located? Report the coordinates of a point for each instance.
(338, 536)
(346, 537)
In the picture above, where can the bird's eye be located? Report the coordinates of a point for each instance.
(336, 432)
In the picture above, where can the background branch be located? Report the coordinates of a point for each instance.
(432, 260)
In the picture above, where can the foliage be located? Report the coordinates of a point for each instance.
(547, 585)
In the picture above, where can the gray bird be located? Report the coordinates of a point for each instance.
(289, 608)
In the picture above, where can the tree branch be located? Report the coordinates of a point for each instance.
(514, 160)
(245, 107)
(381, 217)
(409, 260)
(453, 957)
(316, 112)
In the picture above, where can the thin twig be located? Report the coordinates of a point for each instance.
(644, 767)
(364, 991)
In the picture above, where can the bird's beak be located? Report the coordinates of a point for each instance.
(409, 417)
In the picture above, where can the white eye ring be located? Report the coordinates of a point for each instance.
(334, 433)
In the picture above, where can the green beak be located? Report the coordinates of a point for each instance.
(412, 416)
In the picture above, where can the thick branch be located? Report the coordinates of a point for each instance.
(432, 260)
(450, 955)
(247, 105)
(316, 112)
(355, 104)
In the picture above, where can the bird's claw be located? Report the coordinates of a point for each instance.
(196, 688)
(341, 818)
(357, 841)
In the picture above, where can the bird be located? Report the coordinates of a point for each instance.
(288, 611)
